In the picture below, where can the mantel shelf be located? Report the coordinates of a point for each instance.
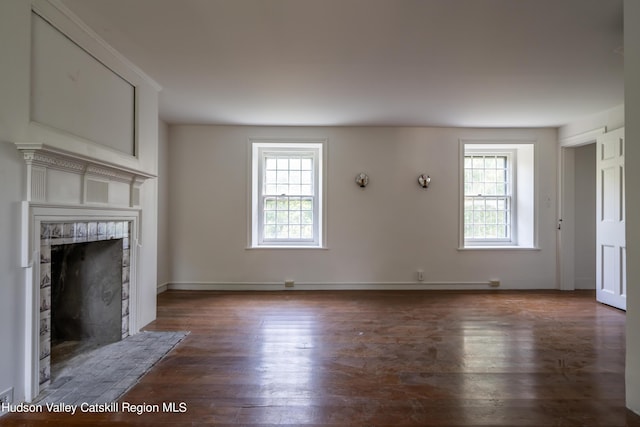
(39, 154)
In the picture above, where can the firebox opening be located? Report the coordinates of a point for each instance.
(86, 298)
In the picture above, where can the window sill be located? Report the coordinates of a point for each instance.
(318, 248)
(498, 248)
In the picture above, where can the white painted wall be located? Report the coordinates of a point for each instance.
(632, 158)
(164, 242)
(585, 216)
(12, 294)
(379, 235)
(14, 113)
(16, 126)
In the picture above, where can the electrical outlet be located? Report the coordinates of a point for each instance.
(494, 283)
(420, 275)
(6, 397)
(289, 283)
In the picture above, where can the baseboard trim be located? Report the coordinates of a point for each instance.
(254, 286)
(163, 288)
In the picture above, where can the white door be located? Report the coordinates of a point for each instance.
(611, 283)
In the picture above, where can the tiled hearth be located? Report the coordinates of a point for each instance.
(61, 233)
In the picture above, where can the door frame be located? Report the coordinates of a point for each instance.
(565, 241)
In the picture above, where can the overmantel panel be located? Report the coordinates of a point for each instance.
(85, 97)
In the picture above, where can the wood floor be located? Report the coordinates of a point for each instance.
(396, 358)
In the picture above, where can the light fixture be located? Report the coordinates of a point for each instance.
(362, 180)
(424, 180)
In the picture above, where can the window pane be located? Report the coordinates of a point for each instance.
(271, 189)
(492, 204)
(283, 177)
(294, 177)
(270, 204)
(307, 164)
(307, 217)
(282, 231)
(306, 232)
(270, 177)
(491, 217)
(295, 190)
(269, 231)
(269, 217)
(283, 203)
(271, 163)
(282, 217)
(283, 163)
(307, 204)
(294, 231)
(294, 203)
(294, 163)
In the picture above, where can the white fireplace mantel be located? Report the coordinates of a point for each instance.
(55, 175)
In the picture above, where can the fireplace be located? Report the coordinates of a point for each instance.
(84, 287)
(74, 199)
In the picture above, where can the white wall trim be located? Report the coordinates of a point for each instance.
(583, 138)
(163, 288)
(309, 286)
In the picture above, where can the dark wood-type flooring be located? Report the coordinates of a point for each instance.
(395, 358)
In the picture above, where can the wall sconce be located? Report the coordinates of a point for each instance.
(362, 180)
(424, 180)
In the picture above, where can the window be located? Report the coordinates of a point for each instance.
(488, 197)
(287, 194)
(498, 199)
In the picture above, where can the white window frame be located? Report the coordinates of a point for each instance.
(511, 196)
(260, 149)
(524, 198)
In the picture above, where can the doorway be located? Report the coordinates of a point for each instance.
(591, 216)
(585, 216)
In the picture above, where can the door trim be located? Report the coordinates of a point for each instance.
(565, 241)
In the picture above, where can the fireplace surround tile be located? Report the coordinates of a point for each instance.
(45, 300)
(45, 254)
(58, 233)
(102, 229)
(45, 231)
(45, 273)
(92, 230)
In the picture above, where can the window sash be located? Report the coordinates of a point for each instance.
(487, 218)
(488, 197)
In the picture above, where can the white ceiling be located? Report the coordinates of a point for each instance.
(485, 63)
